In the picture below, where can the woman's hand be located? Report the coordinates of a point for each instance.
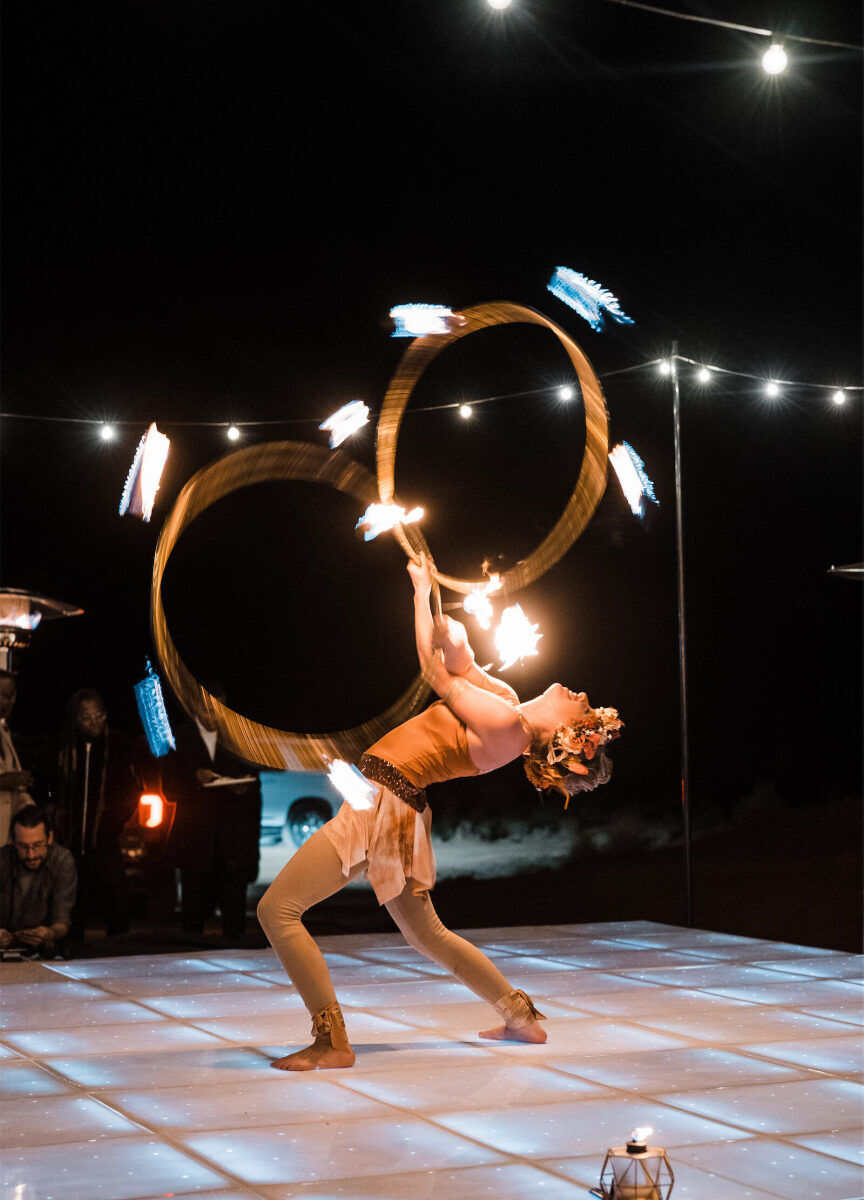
(450, 637)
(420, 570)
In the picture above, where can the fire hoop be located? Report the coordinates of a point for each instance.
(592, 478)
(275, 748)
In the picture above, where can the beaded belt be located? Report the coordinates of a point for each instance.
(383, 772)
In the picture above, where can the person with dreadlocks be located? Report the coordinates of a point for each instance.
(99, 780)
(477, 726)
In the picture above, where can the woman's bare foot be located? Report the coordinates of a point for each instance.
(318, 1057)
(528, 1033)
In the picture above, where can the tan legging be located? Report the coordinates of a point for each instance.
(313, 874)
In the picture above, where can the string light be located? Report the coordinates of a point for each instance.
(566, 393)
(772, 389)
(663, 366)
(775, 60)
(498, 5)
(233, 433)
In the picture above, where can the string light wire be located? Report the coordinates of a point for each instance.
(787, 37)
(548, 389)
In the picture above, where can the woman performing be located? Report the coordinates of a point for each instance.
(477, 726)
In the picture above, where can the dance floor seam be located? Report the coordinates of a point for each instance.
(150, 1077)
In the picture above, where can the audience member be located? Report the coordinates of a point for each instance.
(14, 780)
(37, 886)
(217, 827)
(99, 781)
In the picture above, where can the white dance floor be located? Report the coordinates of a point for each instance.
(138, 1077)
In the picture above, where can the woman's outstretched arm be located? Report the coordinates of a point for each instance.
(495, 734)
(452, 639)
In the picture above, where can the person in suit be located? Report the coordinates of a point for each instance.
(101, 773)
(217, 827)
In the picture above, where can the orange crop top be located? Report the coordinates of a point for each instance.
(429, 748)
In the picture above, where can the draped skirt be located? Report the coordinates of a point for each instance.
(391, 838)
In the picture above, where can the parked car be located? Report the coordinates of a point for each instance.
(294, 804)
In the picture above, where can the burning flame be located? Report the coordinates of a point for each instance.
(352, 785)
(632, 476)
(142, 482)
(417, 320)
(641, 1133)
(345, 421)
(378, 518)
(151, 810)
(478, 604)
(515, 638)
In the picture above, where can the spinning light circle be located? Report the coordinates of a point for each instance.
(592, 478)
(274, 748)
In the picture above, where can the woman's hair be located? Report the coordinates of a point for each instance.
(573, 760)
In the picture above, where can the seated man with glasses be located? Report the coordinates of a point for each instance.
(37, 886)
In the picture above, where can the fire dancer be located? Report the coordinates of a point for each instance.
(477, 726)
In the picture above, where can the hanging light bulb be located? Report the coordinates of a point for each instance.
(232, 433)
(772, 389)
(704, 375)
(665, 366)
(839, 396)
(466, 411)
(566, 393)
(775, 60)
(107, 432)
(498, 5)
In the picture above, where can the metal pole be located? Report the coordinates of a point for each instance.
(682, 634)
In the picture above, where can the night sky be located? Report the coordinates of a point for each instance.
(211, 207)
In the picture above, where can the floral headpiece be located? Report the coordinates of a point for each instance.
(570, 748)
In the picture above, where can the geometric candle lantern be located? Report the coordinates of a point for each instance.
(635, 1171)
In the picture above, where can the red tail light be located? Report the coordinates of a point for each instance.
(151, 810)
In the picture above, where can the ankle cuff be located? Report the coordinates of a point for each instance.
(329, 1025)
(517, 1009)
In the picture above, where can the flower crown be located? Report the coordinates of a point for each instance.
(570, 748)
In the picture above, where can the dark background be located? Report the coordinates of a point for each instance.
(210, 208)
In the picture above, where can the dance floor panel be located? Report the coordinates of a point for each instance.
(133, 1078)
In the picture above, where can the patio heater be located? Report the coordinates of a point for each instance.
(636, 1171)
(21, 613)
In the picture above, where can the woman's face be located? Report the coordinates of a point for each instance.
(567, 707)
